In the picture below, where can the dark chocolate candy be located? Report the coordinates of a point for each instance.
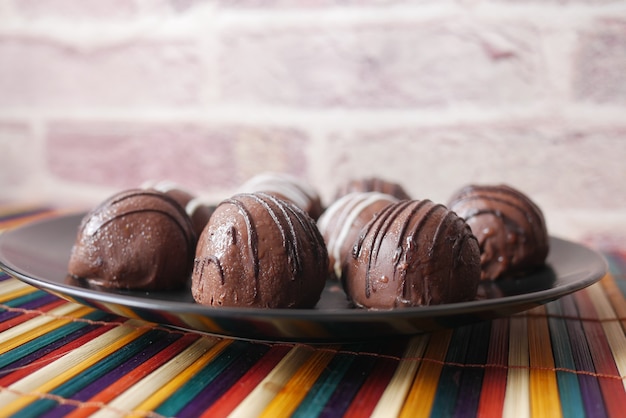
(509, 226)
(259, 251)
(137, 239)
(342, 221)
(414, 253)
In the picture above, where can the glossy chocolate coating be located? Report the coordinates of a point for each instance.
(137, 239)
(286, 187)
(373, 184)
(414, 253)
(342, 221)
(259, 251)
(509, 226)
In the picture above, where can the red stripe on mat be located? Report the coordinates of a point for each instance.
(123, 384)
(242, 388)
(53, 355)
(493, 388)
(612, 388)
(41, 311)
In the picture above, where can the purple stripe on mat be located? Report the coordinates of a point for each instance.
(468, 395)
(48, 348)
(351, 383)
(217, 387)
(449, 379)
(153, 341)
(589, 385)
(38, 301)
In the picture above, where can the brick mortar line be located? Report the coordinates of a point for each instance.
(563, 18)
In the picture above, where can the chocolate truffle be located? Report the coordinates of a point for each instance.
(137, 239)
(373, 184)
(509, 226)
(197, 208)
(343, 219)
(286, 187)
(414, 253)
(259, 251)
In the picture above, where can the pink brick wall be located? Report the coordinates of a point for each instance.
(99, 96)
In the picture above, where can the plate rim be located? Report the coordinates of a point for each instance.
(449, 309)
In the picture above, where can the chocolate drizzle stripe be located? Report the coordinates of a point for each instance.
(183, 222)
(415, 232)
(159, 195)
(443, 225)
(252, 236)
(289, 243)
(352, 209)
(382, 223)
(528, 214)
(189, 238)
(340, 211)
(385, 225)
(401, 237)
(289, 188)
(202, 263)
(457, 247)
(490, 193)
(313, 236)
(532, 215)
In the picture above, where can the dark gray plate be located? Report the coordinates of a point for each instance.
(38, 254)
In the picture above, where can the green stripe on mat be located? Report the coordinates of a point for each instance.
(187, 392)
(321, 391)
(92, 374)
(47, 339)
(569, 388)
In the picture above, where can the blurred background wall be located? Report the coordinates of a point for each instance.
(98, 96)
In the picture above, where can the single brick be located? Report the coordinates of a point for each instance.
(41, 73)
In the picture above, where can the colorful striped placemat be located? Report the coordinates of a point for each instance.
(567, 358)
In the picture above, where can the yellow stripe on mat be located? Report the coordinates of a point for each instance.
(13, 288)
(267, 389)
(419, 401)
(142, 390)
(612, 327)
(296, 388)
(40, 325)
(393, 397)
(37, 384)
(544, 391)
(516, 396)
